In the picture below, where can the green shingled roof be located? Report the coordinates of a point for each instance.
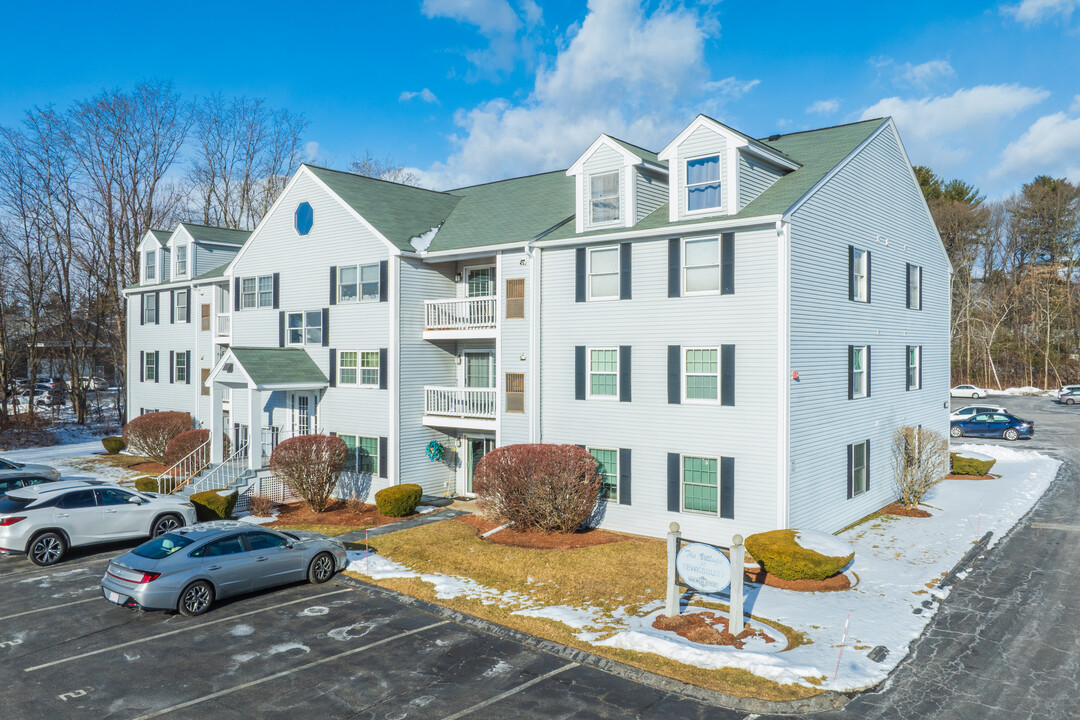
(162, 235)
(270, 366)
(217, 234)
(640, 151)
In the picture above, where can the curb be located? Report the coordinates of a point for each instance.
(816, 704)
(965, 562)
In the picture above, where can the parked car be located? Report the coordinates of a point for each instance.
(43, 396)
(52, 382)
(967, 412)
(1069, 398)
(192, 567)
(971, 391)
(1001, 425)
(94, 383)
(1066, 389)
(11, 468)
(44, 521)
(14, 482)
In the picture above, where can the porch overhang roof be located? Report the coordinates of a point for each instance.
(268, 369)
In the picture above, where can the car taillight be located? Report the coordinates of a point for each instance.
(5, 522)
(145, 577)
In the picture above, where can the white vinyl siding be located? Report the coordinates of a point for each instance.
(755, 177)
(703, 142)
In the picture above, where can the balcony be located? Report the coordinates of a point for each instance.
(460, 407)
(475, 317)
(224, 325)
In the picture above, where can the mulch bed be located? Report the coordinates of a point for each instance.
(539, 540)
(707, 628)
(337, 512)
(149, 468)
(969, 477)
(898, 509)
(830, 584)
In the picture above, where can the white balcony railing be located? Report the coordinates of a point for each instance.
(475, 313)
(460, 402)
(224, 325)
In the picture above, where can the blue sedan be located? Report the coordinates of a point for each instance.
(995, 425)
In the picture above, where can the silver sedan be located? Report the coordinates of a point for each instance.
(11, 468)
(190, 568)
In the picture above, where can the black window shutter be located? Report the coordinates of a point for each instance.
(172, 307)
(333, 368)
(384, 280)
(579, 287)
(727, 374)
(727, 264)
(142, 365)
(673, 482)
(850, 471)
(674, 374)
(727, 488)
(333, 285)
(187, 367)
(851, 272)
(850, 372)
(383, 369)
(867, 473)
(674, 268)
(869, 278)
(907, 367)
(918, 357)
(236, 294)
(624, 373)
(157, 308)
(624, 271)
(281, 329)
(157, 366)
(277, 290)
(188, 291)
(909, 288)
(918, 300)
(382, 457)
(172, 365)
(326, 327)
(624, 476)
(868, 365)
(579, 372)
(142, 309)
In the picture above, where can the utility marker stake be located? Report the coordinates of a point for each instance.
(842, 641)
(671, 609)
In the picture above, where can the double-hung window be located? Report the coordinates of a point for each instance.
(914, 359)
(860, 275)
(358, 283)
(181, 370)
(914, 287)
(248, 296)
(150, 367)
(150, 308)
(181, 260)
(604, 198)
(180, 312)
(699, 484)
(604, 273)
(604, 373)
(860, 360)
(347, 367)
(702, 374)
(305, 328)
(257, 292)
(150, 264)
(703, 184)
(701, 266)
(363, 454)
(358, 368)
(607, 464)
(369, 368)
(859, 465)
(266, 291)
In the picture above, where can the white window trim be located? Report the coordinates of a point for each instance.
(861, 290)
(303, 328)
(177, 305)
(463, 374)
(589, 274)
(149, 362)
(359, 369)
(682, 485)
(859, 392)
(180, 356)
(619, 218)
(359, 283)
(177, 257)
(719, 266)
(915, 385)
(855, 492)
(146, 310)
(686, 186)
(465, 270)
(916, 298)
(151, 266)
(589, 449)
(257, 292)
(699, 401)
(589, 373)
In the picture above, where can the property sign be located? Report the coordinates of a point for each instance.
(703, 567)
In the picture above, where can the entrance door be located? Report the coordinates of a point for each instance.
(480, 281)
(479, 369)
(475, 448)
(240, 438)
(303, 414)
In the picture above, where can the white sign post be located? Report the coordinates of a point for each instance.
(736, 622)
(672, 607)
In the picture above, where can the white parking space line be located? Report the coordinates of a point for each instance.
(183, 629)
(508, 693)
(1056, 526)
(51, 607)
(283, 673)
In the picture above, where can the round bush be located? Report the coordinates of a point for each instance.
(547, 488)
(149, 483)
(309, 466)
(398, 500)
(188, 442)
(212, 505)
(970, 464)
(113, 444)
(781, 554)
(150, 434)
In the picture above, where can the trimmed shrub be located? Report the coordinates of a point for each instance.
(187, 442)
(962, 465)
(309, 466)
(261, 505)
(150, 434)
(212, 505)
(780, 554)
(398, 500)
(149, 483)
(113, 444)
(542, 487)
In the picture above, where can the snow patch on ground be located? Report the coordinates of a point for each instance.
(567, 615)
(241, 630)
(425, 509)
(313, 611)
(256, 519)
(1025, 390)
(823, 543)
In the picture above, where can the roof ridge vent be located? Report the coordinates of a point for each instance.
(773, 138)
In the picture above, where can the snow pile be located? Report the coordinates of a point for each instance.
(823, 543)
(422, 241)
(256, 519)
(425, 509)
(1026, 390)
(446, 586)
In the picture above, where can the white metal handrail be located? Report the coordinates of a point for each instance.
(185, 469)
(473, 313)
(462, 402)
(225, 474)
(224, 325)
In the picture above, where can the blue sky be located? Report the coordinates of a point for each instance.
(473, 90)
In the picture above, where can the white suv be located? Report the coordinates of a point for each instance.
(45, 520)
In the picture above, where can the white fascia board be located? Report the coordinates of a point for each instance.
(669, 231)
(217, 243)
(733, 140)
(290, 386)
(394, 249)
(216, 369)
(466, 253)
(149, 242)
(915, 182)
(177, 236)
(629, 157)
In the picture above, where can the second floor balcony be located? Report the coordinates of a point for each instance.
(461, 407)
(461, 317)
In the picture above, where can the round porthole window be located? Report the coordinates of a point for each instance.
(305, 218)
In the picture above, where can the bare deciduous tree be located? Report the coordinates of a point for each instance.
(920, 461)
(384, 169)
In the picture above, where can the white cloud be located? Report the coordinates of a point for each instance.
(425, 95)
(1050, 146)
(1075, 107)
(924, 74)
(1031, 12)
(935, 117)
(311, 151)
(624, 71)
(497, 21)
(824, 107)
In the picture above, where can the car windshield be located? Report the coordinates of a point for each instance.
(12, 505)
(162, 546)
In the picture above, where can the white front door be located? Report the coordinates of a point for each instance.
(479, 369)
(476, 447)
(304, 412)
(480, 281)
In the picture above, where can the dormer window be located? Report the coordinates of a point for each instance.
(703, 184)
(604, 198)
(150, 264)
(181, 260)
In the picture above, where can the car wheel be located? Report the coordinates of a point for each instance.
(321, 568)
(1070, 401)
(956, 431)
(47, 549)
(974, 396)
(196, 598)
(1010, 434)
(164, 524)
